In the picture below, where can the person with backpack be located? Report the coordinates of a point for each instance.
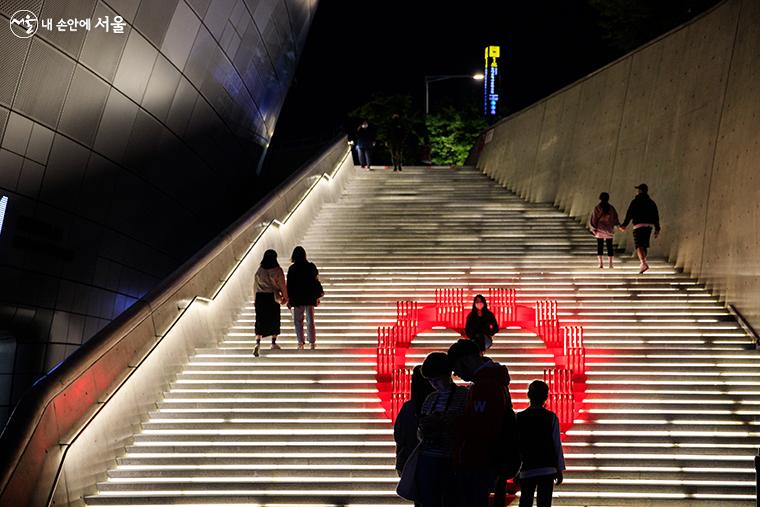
(439, 419)
(407, 420)
(486, 447)
(644, 214)
(603, 221)
(481, 324)
(270, 292)
(305, 291)
(542, 460)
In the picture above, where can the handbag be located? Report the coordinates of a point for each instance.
(407, 484)
(318, 290)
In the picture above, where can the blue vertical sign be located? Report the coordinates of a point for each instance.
(490, 83)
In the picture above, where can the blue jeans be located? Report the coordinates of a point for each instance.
(363, 152)
(299, 312)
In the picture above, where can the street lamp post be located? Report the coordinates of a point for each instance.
(433, 79)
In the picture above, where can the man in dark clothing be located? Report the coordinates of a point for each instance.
(365, 140)
(643, 213)
(396, 137)
(486, 445)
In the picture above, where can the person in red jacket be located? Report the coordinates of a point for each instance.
(486, 444)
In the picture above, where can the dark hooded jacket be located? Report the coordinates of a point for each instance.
(488, 418)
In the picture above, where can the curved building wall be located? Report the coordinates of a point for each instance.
(122, 154)
(681, 114)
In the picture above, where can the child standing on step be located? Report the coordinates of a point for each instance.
(603, 221)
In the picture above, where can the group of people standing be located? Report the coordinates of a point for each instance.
(456, 444)
(642, 212)
(300, 292)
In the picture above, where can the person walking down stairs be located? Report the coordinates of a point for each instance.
(644, 214)
(271, 292)
(603, 221)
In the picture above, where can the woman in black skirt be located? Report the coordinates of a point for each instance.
(271, 292)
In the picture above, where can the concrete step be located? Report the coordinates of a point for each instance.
(669, 416)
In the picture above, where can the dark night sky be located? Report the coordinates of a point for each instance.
(359, 47)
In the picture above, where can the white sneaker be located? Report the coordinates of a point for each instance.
(275, 347)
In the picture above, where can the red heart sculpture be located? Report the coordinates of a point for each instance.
(566, 381)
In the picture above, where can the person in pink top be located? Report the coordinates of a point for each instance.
(603, 221)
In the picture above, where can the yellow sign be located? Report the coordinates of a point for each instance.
(493, 51)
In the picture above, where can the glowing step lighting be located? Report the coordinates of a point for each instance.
(661, 445)
(268, 466)
(308, 493)
(630, 411)
(264, 372)
(252, 479)
(650, 495)
(273, 410)
(289, 431)
(673, 392)
(657, 457)
(271, 400)
(663, 422)
(278, 381)
(283, 364)
(133, 503)
(268, 421)
(657, 482)
(227, 503)
(274, 391)
(222, 443)
(671, 403)
(655, 433)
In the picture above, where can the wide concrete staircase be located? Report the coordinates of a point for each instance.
(673, 393)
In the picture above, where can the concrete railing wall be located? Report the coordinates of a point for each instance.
(681, 114)
(70, 428)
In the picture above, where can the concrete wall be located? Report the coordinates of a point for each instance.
(681, 114)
